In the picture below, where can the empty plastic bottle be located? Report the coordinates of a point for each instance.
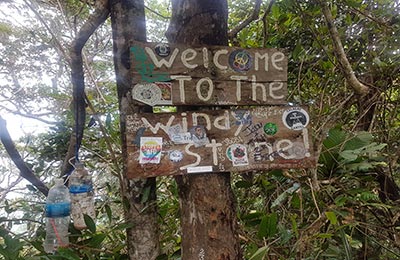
(58, 208)
(82, 196)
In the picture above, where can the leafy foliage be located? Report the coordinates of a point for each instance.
(342, 210)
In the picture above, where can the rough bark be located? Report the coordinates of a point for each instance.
(128, 23)
(12, 151)
(208, 215)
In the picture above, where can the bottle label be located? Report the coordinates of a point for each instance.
(80, 188)
(58, 210)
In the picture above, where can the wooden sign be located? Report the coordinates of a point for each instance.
(211, 75)
(259, 138)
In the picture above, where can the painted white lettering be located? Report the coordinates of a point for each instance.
(272, 88)
(205, 57)
(255, 86)
(155, 128)
(257, 57)
(181, 80)
(261, 146)
(188, 152)
(184, 122)
(162, 62)
(239, 86)
(226, 123)
(276, 58)
(205, 116)
(216, 57)
(214, 145)
(210, 88)
(239, 129)
(282, 146)
(188, 55)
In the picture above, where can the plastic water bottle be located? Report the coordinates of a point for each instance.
(82, 196)
(58, 207)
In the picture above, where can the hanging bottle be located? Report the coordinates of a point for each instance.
(82, 196)
(57, 211)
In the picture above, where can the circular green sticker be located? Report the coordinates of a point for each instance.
(270, 128)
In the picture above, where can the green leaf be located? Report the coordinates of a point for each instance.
(297, 51)
(108, 120)
(146, 194)
(268, 225)
(108, 211)
(332, 217)
(260, 253)
(124, 225)
(341, 200)
(325, 235)
(90, 223)
(66, 253)
(96, 240)
(294, 224)
(335, 138)
(243, 184)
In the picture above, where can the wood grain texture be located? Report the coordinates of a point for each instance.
(232, 76)
(275, 137)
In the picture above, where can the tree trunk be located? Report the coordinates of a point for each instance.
(128, 23)
(208, 215)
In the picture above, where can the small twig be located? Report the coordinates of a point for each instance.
(157, 13)
(313, 196)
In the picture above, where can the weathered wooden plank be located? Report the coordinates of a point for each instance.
(210, 93)
(219, 71)
(153, 62)
(260, 138)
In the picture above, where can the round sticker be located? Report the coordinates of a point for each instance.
(162, 50)
(148, 93)
(298, 151)
(270, 128)
(295, 118)
(176, 156)
(240, 60)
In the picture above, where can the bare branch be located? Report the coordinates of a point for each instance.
(254, 16)
(58, 43)
(77, 76)
(157, 13)
(29, 115)
(357, 86)
(25, 171)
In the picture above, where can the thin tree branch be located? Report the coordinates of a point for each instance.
(104, 131)
(157, 13)
(254, 16)
(357, 86)
(78, 80)
(58, 43)
(264, 20)
(12, 151)
(32, 116)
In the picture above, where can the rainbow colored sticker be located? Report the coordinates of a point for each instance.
(150, 150)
